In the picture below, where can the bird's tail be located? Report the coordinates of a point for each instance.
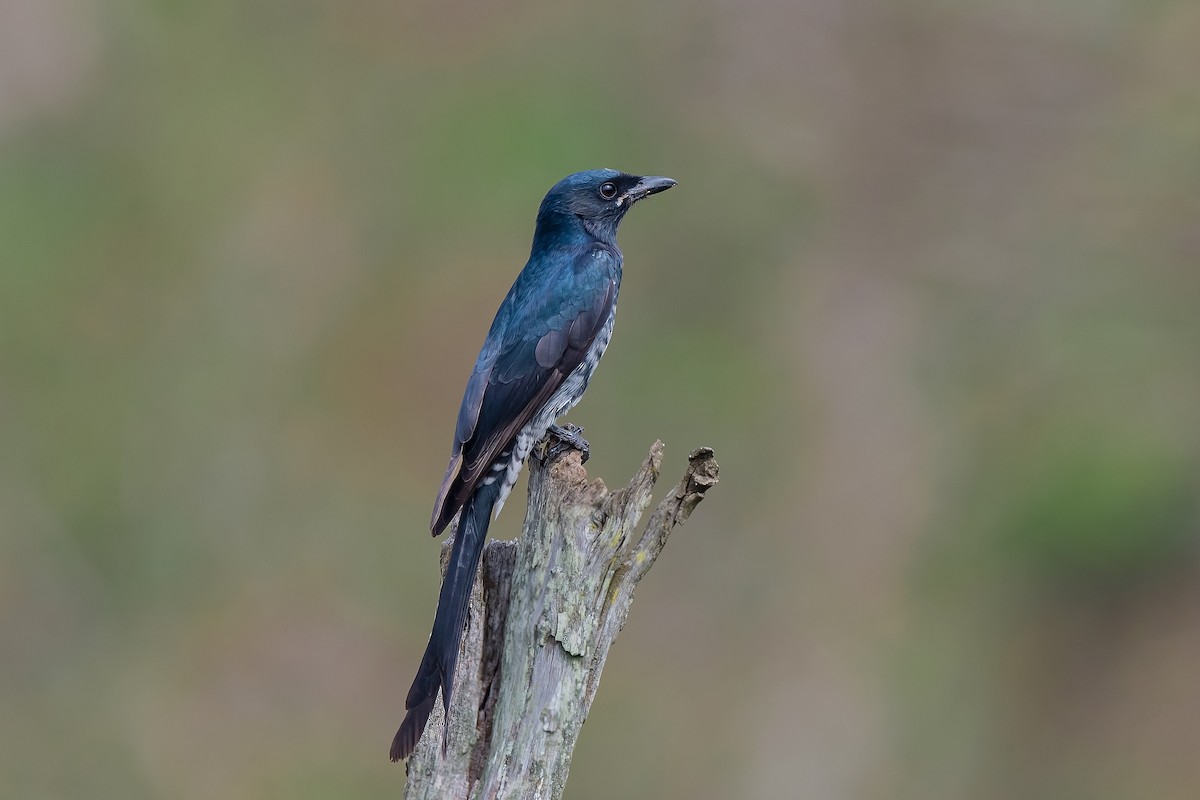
(437, 665)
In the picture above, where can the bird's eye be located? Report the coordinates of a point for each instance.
(608, 190)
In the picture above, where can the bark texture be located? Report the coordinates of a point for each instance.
(543, 616)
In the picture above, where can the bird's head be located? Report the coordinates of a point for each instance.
(595, 201)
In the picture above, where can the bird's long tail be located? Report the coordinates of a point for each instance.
(437, 665)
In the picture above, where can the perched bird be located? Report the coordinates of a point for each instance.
(547, 337)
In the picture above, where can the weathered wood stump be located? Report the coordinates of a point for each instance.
(543, 616)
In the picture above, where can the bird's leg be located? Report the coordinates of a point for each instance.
(568, 436)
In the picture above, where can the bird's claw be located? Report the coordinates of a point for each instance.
(568, 437)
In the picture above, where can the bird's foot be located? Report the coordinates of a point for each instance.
(561, 438)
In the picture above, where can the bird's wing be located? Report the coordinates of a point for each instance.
(519, 369)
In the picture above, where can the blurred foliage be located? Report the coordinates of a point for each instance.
(1101, 512)
(928, 286)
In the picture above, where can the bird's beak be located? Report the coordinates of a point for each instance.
(646, 187)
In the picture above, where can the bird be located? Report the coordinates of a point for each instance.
(537, 359)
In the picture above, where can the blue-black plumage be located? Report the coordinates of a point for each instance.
(545, 341)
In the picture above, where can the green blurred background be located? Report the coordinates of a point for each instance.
(928, 285)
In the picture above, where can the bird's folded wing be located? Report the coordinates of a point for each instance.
(510, 384)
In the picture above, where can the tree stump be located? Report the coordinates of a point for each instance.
(543, 615)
